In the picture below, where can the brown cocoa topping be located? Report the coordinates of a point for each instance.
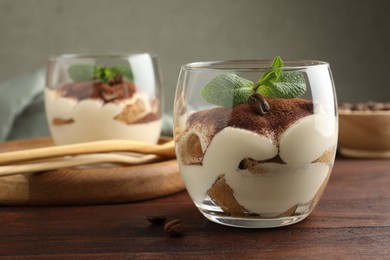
(283, 113)
(98, 90)
(77, 90)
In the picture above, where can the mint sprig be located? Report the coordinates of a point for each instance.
(279, 84)
(228, 89)
(85, 72)
(274, 74)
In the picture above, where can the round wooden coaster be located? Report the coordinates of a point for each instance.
(83, 186)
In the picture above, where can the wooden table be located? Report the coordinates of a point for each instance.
(351, 221)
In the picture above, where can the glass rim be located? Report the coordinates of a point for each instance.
(72, 56)
(252, 65)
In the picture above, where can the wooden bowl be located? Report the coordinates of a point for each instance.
(364, 134)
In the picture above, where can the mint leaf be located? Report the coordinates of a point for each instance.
(124, 70)
(277, 62)
(274, 74)
(279, 84)
(227, 90)
(289, 85)
(105, 74)
(82, 72)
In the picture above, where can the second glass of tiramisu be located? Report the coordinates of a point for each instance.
(103, 96)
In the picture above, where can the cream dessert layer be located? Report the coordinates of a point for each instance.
(274, 180)
(274, 187)
(73, 120)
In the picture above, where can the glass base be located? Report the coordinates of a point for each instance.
(214, 213)
(254, 222)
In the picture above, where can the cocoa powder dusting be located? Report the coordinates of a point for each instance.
(98, 90)
(283, 113)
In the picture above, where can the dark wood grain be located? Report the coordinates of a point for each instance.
(351, 221)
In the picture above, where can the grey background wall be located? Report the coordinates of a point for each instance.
(354, 36)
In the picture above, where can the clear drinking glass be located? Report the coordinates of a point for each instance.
(106, 96)
(245, 166)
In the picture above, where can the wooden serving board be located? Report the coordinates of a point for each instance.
(83, 186)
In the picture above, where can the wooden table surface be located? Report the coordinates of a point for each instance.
(351, 221)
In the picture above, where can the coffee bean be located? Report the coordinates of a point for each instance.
(174, 227)
(258, 104)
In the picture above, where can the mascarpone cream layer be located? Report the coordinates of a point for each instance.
(94, 120)
(279, 186)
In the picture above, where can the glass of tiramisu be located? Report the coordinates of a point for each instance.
(100, 97)
(255, 140)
